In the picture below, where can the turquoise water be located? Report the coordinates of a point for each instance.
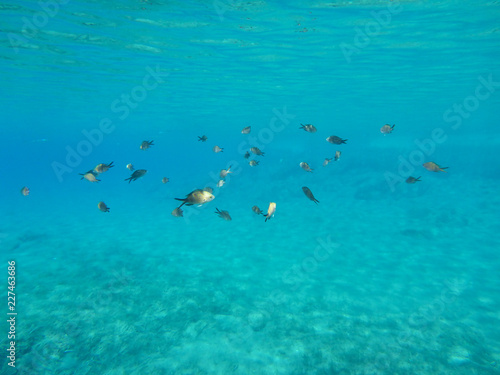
(379, 277)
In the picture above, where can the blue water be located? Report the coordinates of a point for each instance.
(379, 277)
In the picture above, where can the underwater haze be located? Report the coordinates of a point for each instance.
(388, 263)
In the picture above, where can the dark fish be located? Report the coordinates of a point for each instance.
(223, 214)
(336, 140)
(203, 138)
(137, 174)
(412, 180)
(165, 180)
(247, 155)
(246, 130)
(256, 151)
(305, 167)
(102, 206)
(146, 144)
(308, 128)
(309, 194)
(257, 210)
(25, 191)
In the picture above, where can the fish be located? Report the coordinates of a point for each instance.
(224, 172)
(146, 144)
(325, 163)
(137, 174)
(246, 130)
(247, 155)
(337, 155)
(253, 163)
(270, 211)
(336, 140)
(217, 149)
(305, 167)
(197, 196)
(102, 206)
(165, 180)
(257, 210)
(203, 138)
(220, 183)
(256, 151)
(309, 194)
(223, 214)
(101, 168)
(308, 128)
(177, 212)
(90, 176)
(130, 167)
(25, 191)
(387, 129)
(433, 167)
(412, 180)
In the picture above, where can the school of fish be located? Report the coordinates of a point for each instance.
(205, 195)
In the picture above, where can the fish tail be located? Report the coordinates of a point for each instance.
(183, 201)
